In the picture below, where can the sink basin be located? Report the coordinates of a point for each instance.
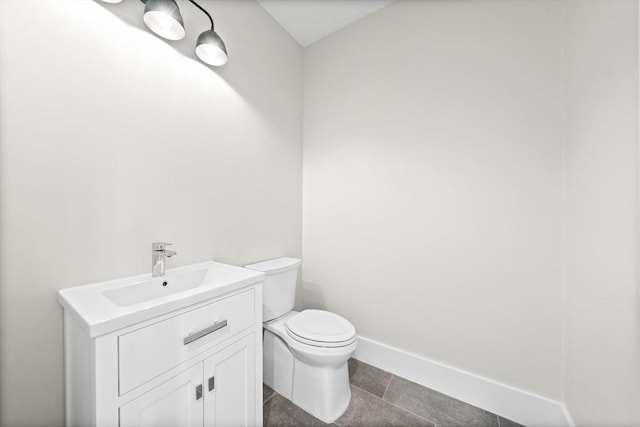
(107, 306)
(159, 287)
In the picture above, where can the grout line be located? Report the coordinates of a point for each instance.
(393, 404)
(387, 387)
(436, 410)
(345, 411)
(269, 398)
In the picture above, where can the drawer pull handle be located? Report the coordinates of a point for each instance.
(206, 331)
(212, 383)
(199, 392)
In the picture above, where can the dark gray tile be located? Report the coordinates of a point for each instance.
(368, 378)
(366, 410)
(439, 408)
(503, 422)
(267, 392)
(280, 412)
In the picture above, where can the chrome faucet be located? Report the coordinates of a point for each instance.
(158, 254)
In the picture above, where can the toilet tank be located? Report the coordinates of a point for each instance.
(279, 286)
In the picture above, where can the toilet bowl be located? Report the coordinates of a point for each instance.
(305, 353)
(312, 374)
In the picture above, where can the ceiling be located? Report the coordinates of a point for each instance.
(310, 20)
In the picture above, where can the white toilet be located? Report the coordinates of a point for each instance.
(305, 353)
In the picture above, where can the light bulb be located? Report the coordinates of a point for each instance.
(211, 49)
(163, 18)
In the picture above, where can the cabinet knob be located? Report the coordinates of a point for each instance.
(199, 392)
(212, 383)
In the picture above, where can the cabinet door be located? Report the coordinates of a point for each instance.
(175, 402)
(229, 381)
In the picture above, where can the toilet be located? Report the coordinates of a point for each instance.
(305, 353)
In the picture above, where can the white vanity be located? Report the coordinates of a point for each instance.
(184, 349)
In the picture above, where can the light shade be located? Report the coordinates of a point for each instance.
(112, 1)
(163, 18)
(211, 49)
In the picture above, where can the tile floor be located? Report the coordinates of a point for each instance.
(379, 398)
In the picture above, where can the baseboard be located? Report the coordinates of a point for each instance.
(509, 402)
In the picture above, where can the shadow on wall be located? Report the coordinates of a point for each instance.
(255, 43)
(311, 296)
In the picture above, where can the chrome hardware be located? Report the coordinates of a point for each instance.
(197, 335)
(199, 392)
(212, 383)
(158, 254)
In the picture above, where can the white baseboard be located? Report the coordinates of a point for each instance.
(509, 402)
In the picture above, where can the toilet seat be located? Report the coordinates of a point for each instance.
(319, 328)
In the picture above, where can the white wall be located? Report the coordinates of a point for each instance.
(602, 360)
(433, 183)
(433, 180)
(111, 139)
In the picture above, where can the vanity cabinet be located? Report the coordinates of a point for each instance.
(217, 392)
(229, 396)
(197, 366)
(170, 404)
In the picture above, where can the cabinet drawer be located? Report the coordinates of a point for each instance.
(148, 352)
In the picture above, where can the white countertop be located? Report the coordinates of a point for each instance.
(101, 315)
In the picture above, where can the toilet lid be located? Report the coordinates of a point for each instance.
(321, 328)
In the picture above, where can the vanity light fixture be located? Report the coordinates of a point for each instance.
(210, 48)
(163, 17)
